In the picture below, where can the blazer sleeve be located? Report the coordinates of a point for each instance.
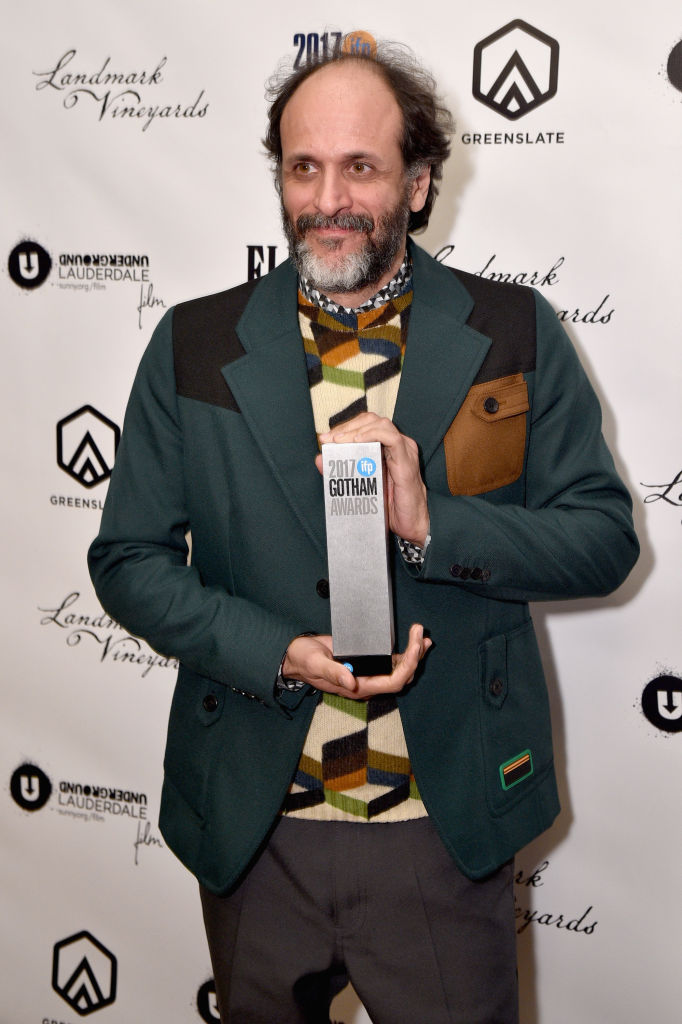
(139, 562)
(573, 536)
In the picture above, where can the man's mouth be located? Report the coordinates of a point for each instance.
(333, 227)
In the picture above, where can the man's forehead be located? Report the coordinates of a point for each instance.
(336, 84)
(351, 94)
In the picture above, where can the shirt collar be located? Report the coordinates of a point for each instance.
(398, 285)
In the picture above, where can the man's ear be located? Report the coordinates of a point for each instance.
(420, 188)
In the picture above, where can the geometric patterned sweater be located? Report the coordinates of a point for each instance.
(354, 765)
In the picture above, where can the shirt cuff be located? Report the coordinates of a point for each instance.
(414, 554)
(283, 682)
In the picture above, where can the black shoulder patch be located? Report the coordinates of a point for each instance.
(505, 313)
(204, 340)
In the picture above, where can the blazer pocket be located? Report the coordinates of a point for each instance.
(191, 744)
(485, 444)
(516, 732)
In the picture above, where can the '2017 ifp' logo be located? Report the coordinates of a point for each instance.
(516, 69)
(313, 47)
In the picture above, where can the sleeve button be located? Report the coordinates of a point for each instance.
(496, 687)
(455, 570)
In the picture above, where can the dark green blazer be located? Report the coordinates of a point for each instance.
(525, 505)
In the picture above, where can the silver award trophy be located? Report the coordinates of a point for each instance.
(357, 549)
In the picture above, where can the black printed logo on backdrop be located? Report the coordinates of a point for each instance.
(29, 264)
(86, 445)
(109, 86)
(207, 1004)
(84, 973)
(674, 66)
(662, 703)
(30, 787)
(312, 46)
(516, 69)
(670, 492)
(261, 259)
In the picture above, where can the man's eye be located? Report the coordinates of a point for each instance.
(304, 167)
(359, 167)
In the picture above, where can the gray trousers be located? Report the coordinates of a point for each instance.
(380, 904)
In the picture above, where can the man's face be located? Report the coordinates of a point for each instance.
(345, 196)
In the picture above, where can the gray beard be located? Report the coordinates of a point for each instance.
(347, 272)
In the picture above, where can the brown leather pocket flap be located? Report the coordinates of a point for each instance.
(485, 444)
(507, 396)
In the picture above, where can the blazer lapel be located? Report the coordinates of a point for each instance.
(442, 357)
(270, 384)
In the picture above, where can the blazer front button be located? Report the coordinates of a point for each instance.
(210, 702)
(322, 588)
(496, 687)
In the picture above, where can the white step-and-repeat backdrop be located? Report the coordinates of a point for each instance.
(134, 178)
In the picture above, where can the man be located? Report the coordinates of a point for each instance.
(345, 827)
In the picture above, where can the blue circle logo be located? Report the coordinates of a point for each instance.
(367, 467)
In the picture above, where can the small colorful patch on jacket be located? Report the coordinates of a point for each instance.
(516, 770)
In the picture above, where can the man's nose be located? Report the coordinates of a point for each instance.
(333, 194)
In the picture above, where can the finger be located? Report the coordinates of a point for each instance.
(406, 663)
(356, 422)
(311, 659)
(333, 677)
(365, 427)
(331, 672)
(379, 430)
(345, 680)
(405, 666)
(417, 646)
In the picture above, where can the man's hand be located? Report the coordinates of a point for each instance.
(408, 513)
(310, 659)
